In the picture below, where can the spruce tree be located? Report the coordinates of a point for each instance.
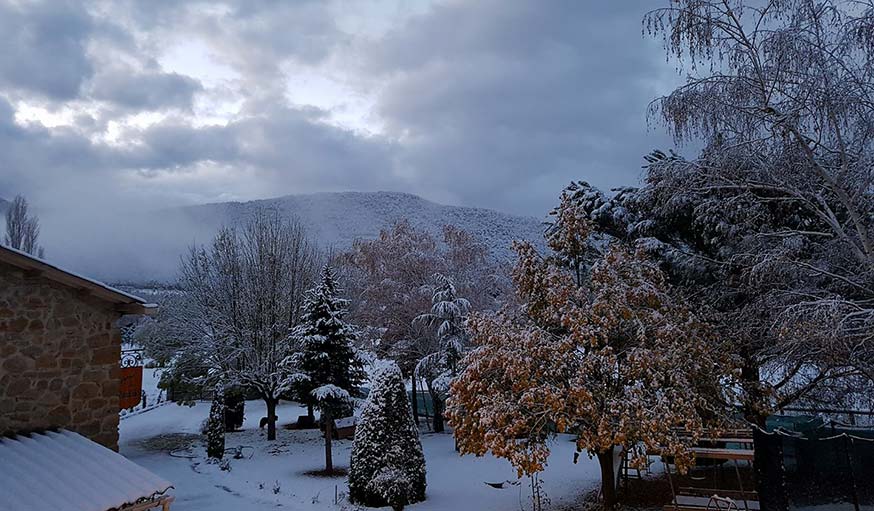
(387, 466)
(328, 359)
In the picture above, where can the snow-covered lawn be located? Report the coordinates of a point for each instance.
(275, 476)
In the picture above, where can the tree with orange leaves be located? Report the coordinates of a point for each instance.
(599, 349)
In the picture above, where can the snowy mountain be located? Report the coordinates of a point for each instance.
(138, 247)
(337, 219)
(4, 204)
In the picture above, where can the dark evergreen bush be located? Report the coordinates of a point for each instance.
(387, 466)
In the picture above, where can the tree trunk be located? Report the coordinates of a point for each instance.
(415, 400)
(438, 414)
(755, 413)
(310, 412)
(329, 432)
(271, 419)
(754, 399)
(608, 479)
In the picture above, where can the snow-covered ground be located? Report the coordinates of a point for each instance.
(274, 473)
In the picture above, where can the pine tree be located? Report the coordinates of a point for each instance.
(328, 359)
(387, 466)
(215, 425)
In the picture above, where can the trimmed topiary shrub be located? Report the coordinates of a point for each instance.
(387, 466)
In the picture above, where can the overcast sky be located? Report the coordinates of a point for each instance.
(489, 103)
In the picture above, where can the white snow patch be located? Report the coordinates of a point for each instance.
(274, 474)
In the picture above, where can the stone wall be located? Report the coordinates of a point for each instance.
(59, 352)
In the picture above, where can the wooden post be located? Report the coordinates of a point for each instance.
(415, 399)
(849, 448)
(329, 462)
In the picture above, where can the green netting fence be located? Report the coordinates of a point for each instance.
(819, 466)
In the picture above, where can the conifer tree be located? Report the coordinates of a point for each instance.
(215, 426)
(328, 361)
(387, 466)
(447, 317)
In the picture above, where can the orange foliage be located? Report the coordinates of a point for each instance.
(610, 357)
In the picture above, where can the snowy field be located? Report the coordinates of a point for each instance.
(273, 474)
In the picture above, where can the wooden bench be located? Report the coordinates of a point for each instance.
(715, 453)
(697, 491)
(715, 503)
(719, 453)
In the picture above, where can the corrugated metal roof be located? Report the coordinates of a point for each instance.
(63, 470)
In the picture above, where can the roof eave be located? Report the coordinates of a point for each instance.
(124, 303)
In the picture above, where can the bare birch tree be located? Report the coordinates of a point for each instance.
(781, 93)
(22, 229)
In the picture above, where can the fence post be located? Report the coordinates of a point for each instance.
(849, 440)
(769, 470)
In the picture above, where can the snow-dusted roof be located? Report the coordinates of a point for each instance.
(64, 470)
(345, 422)
(125, 302)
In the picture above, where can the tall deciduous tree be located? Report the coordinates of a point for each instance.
(779, 202)
(22, 228)
(604, 352)
(238, 310)
(391, 282)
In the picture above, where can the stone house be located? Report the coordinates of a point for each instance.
(59, 349)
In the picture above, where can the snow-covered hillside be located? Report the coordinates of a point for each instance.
(337, 219)
(137, 247)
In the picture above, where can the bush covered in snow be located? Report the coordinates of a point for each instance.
(215, 426)
(387, 465)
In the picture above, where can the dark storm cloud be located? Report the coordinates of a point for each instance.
(487, 103)
(42, 48)
(149, 90)
(286, 146)
(502, 103)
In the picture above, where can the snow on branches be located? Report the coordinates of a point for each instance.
(387, 464)
(327, 359)
(231, 326)
(330, 393)
(607, 354)
(778, 204)
(447, 318)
